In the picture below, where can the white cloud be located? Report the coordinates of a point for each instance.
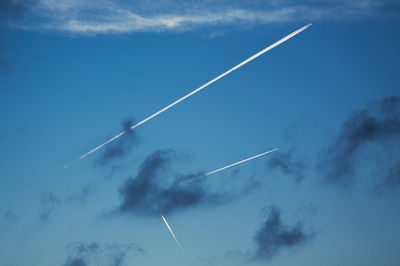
(104, 16)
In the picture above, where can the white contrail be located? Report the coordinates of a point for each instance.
(198, 89)
(231, 165)
(173, 235)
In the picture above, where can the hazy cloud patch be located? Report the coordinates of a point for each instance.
(288, 164)
(48, 201)
(8, 219)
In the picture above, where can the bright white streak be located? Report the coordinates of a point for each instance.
(173, 235)
(231, 165)
(198, 89)
(242, 161)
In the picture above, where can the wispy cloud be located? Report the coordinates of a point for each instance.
(376, 124)
(49, 201)
(289, 165)
(103, 16)
(84, 254)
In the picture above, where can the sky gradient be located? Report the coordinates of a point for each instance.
(75, 73)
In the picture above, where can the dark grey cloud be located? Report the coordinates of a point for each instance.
(274, 236)
(152, 192)
(49, 201)
(85, 254)
(289, 165)
(121, 147)
(378, 123)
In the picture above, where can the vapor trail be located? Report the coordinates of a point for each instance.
(173, 235)
(198, 89)
(230, 165)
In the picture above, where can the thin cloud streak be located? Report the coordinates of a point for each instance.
(173, 235)
(231, 165)
(196, 90)
(240, 162)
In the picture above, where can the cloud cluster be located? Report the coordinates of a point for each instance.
(106, 16)
(274, 235)
(85, 254)
(152, 192)
(288, 165)
(378, 123)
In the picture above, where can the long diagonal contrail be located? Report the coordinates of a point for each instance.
(230, 165)
(198, 89)
(173, 235)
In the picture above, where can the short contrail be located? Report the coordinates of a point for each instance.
(197, 90)
(173, 235)
(231, 165)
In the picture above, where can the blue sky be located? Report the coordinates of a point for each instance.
(73, 72)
